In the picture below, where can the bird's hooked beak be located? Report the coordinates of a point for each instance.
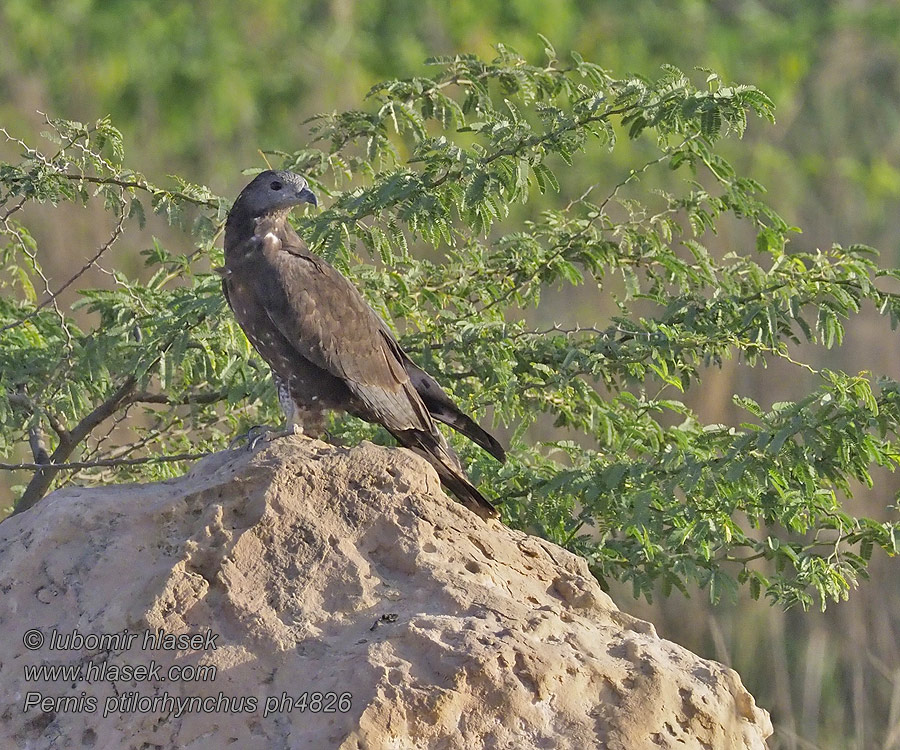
(307, 196)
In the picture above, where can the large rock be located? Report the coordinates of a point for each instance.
(310, 569)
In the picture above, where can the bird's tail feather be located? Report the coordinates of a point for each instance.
(465, 425)
(434, 449)
(467, 494)
(441, 407)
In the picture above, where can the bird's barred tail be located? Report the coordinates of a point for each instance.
(434, 449)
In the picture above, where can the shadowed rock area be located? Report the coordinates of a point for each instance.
(310, 569)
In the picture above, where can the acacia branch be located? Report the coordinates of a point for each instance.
(101, 462)
(51, 299)
(38, 446)
(46, 473)
(561, 249)
(136, 185)
(561, 130)
(197, 397)
(10, 211)
(55, 421)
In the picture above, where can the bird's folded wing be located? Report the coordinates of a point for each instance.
(326, 320)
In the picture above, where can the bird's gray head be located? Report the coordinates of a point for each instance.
(273, 191)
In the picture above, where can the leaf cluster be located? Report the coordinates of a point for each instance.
(452, 206)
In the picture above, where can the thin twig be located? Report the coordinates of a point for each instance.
(135, 185)
(117, 420)
(113, 462)
(36, 267)
(570, 331)
(116, 233)
(13, 209)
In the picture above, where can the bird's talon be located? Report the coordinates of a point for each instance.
(258, 434)
(252, 437)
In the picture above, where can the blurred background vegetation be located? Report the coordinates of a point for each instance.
(198, 87)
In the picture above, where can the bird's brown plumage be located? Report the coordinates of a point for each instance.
(324, 342)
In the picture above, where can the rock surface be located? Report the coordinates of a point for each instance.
(310, 569)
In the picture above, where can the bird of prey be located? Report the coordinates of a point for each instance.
(328, 349)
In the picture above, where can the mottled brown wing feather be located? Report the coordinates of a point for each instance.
(327, 321)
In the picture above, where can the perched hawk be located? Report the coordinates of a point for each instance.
(327, 348)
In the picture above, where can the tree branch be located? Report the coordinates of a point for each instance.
(23, 399)
(51, 299)
(46, 473)
(199, 397)
(38, 446)
(145, 186)
(113, 462)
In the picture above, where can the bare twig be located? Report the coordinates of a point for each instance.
(569, 331)
(12, 209)
(117, 231)
(36, 267)
(118, 419)
(196, 397)
(112, 462)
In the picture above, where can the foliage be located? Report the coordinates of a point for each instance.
(425, 182)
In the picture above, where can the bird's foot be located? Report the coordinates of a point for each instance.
(262, 433)
(331, 439)
(250, 438)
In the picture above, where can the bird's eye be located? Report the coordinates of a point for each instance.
(276, 185)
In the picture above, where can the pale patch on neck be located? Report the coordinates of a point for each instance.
(265, 237)
(269, 239)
